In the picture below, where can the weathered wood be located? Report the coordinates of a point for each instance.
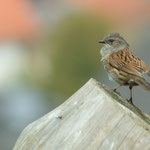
(94, 118)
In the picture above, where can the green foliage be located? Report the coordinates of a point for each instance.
(75, 52)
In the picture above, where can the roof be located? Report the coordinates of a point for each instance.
(126, 11)
(18, 19)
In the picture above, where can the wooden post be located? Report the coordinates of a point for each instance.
(94, 118)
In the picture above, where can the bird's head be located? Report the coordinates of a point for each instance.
(114, 41)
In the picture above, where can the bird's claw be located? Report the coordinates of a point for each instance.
(116, 92)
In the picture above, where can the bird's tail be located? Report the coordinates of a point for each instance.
(142, 82)
(148, 73)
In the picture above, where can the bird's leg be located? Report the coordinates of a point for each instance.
(130, 100)
(116, 87)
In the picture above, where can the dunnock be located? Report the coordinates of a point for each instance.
(122, 65)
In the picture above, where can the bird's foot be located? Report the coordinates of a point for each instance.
(130, 101)
(116, 91)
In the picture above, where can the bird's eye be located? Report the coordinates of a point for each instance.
(111, 40)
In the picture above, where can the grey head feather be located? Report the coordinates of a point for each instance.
(109, 46)
(113, 34)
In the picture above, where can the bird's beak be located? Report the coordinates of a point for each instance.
(101, 41)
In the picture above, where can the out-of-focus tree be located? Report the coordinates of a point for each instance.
(74, 52)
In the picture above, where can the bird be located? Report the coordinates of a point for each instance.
(122, 65)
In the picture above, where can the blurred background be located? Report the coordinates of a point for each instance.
(49, 49)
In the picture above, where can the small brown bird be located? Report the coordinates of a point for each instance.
(122, 65)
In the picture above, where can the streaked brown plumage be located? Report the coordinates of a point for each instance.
(122, 65)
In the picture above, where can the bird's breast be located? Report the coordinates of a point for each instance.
(105, 51)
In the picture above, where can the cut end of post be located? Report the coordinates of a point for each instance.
(92, 118)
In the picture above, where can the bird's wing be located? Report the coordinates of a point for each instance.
(126, 61)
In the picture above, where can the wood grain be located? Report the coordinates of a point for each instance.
(94, 118)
